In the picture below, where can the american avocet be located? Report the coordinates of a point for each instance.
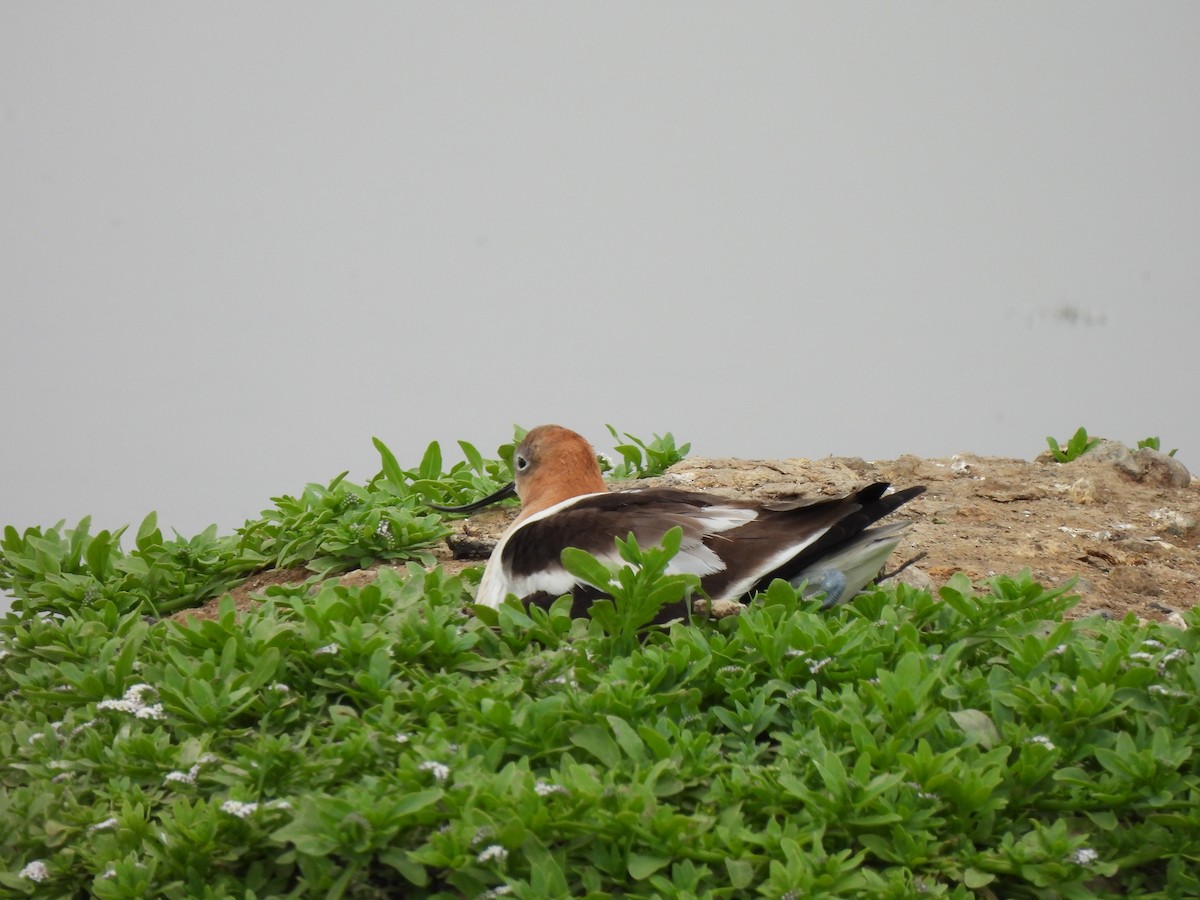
(735, 546)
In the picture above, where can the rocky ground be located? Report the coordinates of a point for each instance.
(1123, 523)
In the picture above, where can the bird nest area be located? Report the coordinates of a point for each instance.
(1122, 525)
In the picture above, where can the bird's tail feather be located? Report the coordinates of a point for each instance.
(850, 568)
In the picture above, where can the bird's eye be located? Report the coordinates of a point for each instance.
(522, 463)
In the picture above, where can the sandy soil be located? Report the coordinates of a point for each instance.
(1123, 523)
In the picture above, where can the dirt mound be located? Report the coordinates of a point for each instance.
(1124, 523)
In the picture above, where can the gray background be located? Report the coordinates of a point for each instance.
(237, 240)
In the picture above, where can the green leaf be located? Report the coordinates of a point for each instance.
(410, 803)
(978, 726)
(392, 472)
(586, 567)
(642, 866)
(148, 535)
(975, 879)
(741, 873)
(400, 860)
(627, 738)
(431, 462)
(474, 457)
(596, 741)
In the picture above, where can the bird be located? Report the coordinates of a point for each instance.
(736, 547)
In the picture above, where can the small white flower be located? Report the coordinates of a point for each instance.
(1059, 650)
(37, 734)
(182, 777)
(35, 871)
(499, 891)
(921, 792)
(280, 687)
(1152, 644)
(1177, 653)
(545, 789)
(440, 771)
(1142, 656)
(133, 704)
(105, 825)
(280, 804)
(328, 649)
(793, 653)
(401, 737)
(492, 851)
(110, 872)
(1084, 856)
(816, 665)
(1042, 740)
(1165, 691)
(730, 670)
(238, 808)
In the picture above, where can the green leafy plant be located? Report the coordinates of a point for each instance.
(639, 589)
(1154, 444)
(327, 528)
(643, 460)
(1078, 444)
(378, 740)
(374, 741)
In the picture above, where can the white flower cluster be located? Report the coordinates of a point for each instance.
(1042, 740)
(440, 771)
(1170, 657)
(35, 871)
(492, 852)
(545, 789)
(133, 704)
(1165, 691)
(499, 891)
(1084, 856)
(921, 792)
(816, 665)
(189, 777)
(105, 825)
(243, 810)
(327, 650)
(238, 808)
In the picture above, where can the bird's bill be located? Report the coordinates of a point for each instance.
(509, 490)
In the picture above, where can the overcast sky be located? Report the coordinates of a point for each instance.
(237, 240)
